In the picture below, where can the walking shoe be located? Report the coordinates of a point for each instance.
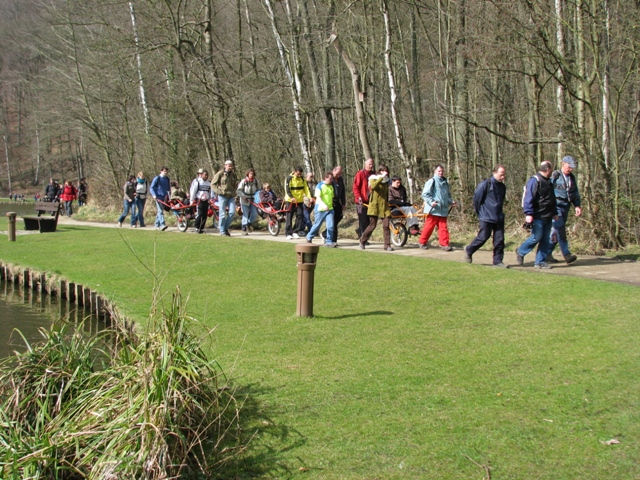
(226, 234)
(519, 259)
(361, 246)
(289, 237)
(447, 248)
(550, 259)
(119, 224)
(543, 266)
(134, 226)
(244, 231)
(163, 227)
(467, 257)
(424, 246)
(330, 245)
(295, 235)
(501, 265)
(570, 258)
(310, 240)
(389, 249)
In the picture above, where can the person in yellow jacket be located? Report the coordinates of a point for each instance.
(296, 189)
(378, 208)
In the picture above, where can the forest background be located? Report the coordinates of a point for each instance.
(102, 90)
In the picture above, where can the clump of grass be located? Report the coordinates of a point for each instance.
(158, 408)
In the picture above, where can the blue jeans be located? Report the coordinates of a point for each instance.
(138, 211)
(249, 214)
(68, 211)
(226, 217)
(320, 217)
(541, 236)
(560, 230)
(127, 207)
(159, 215)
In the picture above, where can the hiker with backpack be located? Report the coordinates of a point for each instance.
(539, 205)
(488, 201)
(566, 191)
(437, 204)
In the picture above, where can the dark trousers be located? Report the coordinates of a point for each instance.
(363, 219)
(296, 209)
(386, 233)
(485, 231)
(201, 216)
(337, 216)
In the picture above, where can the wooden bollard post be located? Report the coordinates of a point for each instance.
(26, 275)
(86, 293)
(71, 292)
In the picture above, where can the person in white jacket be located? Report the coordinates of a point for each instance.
(200, 192)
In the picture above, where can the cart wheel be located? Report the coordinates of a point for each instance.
(398, 233)
(183, 223)
(323, 234)
(274, 226)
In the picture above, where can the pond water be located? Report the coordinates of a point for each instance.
(28, 310)
(18, 207)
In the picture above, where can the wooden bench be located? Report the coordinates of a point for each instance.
(41, 221)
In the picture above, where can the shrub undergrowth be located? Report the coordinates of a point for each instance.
(117, 405)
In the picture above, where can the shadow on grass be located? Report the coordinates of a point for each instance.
(265, 441)
(353, 315)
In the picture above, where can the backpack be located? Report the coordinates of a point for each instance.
(524, 189)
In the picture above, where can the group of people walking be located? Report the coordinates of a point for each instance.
(546, 203)
(66, 193)
(548, 196)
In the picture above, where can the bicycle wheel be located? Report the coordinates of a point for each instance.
(273, 226)
(398, 233)
(183, 223)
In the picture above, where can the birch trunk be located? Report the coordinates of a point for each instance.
(293, 86)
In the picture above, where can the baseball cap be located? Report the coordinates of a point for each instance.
(569, 160)
(200, 170)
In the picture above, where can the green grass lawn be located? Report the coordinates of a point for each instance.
(412, 368)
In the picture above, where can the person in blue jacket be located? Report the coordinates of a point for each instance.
(566, 191)
(488, 201)
(159, 189)
(539, 205)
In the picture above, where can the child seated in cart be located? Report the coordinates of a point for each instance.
(268, 199)
(400, 207)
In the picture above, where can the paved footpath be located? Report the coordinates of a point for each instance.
(599, 268)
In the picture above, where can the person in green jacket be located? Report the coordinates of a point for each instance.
(378, 208)
(225, 183)
(324, 210)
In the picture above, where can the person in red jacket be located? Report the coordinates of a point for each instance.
(69, 194)
(361, 194)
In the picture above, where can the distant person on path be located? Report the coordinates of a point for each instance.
(324, 193)
(128, 201)
(142, 190)
(296, 189)
(539, 205)
(51, 191)
(159, 189)
(566, 192)
(339, 201)
(437, 203)
(69, 194)
(378, 208)
(361, 194)
(82, 192)
(200, 192)
(488, 201)
(247, 189)
(225, 184)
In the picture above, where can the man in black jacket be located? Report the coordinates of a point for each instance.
(488, 202)
(539, 205)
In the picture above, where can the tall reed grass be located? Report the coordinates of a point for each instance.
(117, 405)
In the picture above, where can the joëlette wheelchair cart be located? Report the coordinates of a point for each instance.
(274, 213)
(405, 221)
